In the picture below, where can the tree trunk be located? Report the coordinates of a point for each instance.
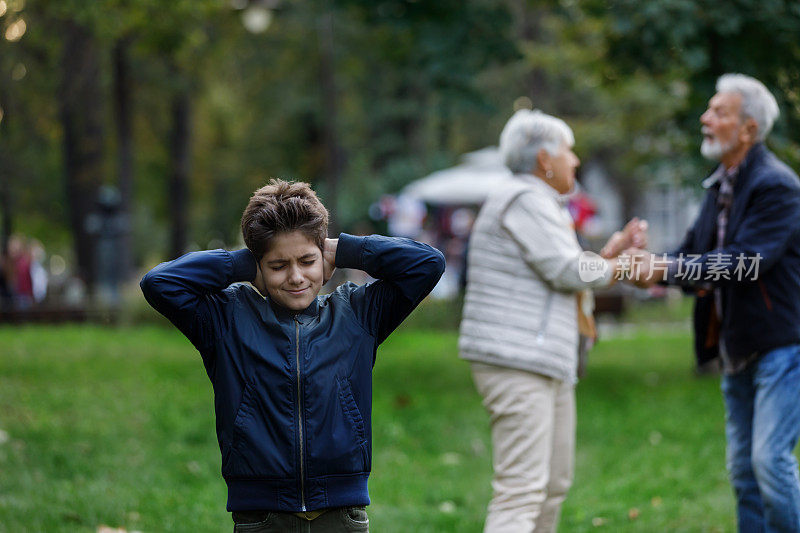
(5, 167)
(5, 206)
(445, 126)
(123, 114)
(180, 155)
(82, 120)
(530, 30)
(327, 79)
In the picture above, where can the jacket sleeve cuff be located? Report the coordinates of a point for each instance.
(348, 251)
(244, 265)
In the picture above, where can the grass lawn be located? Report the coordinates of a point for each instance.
(115, 427)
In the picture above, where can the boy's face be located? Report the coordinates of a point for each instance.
(292, 270)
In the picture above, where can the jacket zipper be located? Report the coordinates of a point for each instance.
(545, 317)
(300, 415)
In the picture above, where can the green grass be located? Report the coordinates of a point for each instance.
(115, 427)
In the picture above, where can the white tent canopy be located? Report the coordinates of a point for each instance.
(468, 183)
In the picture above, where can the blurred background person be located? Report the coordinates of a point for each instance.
(39, 278)
(520, 327)
(22, 282)
(5, 280)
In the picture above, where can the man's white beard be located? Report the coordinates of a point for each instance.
(713, 149)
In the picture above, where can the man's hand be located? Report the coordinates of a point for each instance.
(633, 235)
(258, 283)
(329, 259)
(642, 271)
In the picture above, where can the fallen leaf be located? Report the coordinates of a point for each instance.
(447, 507)
(656, 501)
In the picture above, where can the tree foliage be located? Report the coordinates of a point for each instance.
(688, 44)
(361, 96)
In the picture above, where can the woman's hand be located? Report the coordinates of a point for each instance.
(329, 259)
(633, 235)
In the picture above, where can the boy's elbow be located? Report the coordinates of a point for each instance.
(437, 264)
(148, 285)
(146, 282)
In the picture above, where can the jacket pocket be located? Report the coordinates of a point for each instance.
(260, 443)
(338, 431)
(350, 409)
(542, 329)
(243, 414)
(353, 415)
(239, 428)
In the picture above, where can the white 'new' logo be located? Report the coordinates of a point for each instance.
(591, 266)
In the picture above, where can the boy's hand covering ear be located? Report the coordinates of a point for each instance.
(258, 283)
(329, 259)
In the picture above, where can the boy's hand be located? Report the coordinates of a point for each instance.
(329, 259)
(258, 283)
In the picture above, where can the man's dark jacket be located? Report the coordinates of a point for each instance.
(293, 391)
(764, 220)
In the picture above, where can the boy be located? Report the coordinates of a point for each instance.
(292, 372)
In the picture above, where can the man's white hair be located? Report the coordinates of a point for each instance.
(757, 102)
(527, 132)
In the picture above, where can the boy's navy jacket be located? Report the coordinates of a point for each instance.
(293, 392)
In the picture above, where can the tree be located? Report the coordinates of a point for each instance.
(82, 121)
(687, 45)
(95, 34)
(123, 120)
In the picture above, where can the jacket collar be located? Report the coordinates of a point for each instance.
(543, 187)
(756, 151)
(286, 315)
(741, 190)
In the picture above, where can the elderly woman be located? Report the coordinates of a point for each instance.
(520, 324)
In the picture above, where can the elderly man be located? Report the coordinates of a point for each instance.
(742, 258)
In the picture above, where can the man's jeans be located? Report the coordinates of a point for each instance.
(762, 418)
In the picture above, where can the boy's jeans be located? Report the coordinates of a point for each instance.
(339, 520)
(762, 418)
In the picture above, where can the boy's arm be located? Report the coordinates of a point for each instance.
(406, 271)
(188, 290)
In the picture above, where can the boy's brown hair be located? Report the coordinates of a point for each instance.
(279, 207)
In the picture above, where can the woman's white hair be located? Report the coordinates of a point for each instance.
(527, 132)
(757, 102)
